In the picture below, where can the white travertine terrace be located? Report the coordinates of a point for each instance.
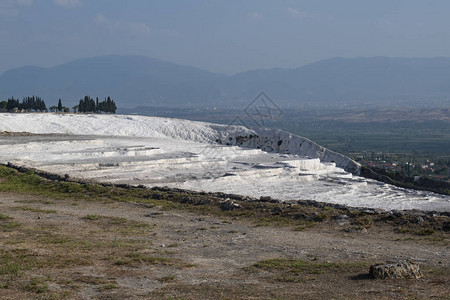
(193, 155)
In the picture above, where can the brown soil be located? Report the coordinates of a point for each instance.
(81, 249)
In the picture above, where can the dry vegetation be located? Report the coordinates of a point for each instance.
(68, 240)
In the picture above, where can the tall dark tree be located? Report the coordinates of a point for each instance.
(13, 103)
(60, 107)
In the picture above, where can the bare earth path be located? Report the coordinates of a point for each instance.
(112, 250)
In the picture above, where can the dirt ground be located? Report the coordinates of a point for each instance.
(81, 249)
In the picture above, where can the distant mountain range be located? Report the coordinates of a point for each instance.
(142, 81)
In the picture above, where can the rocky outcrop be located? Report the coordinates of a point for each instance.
(401, 269)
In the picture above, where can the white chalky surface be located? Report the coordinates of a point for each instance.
(179, 153)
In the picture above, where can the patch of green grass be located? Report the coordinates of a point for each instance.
(122, 262)
(13, 262)
(142, 258)
(54, 239)
(403, 229)
(94, 280)
(92, 217)
(364, 221)
(35, 210)
(36, 285)
(153, 260)
(109, 286)
(298, 266)
(425, 231)
(321, 216)
(436, 238)
(9, 226)
(167, 278)
(4, 217)
(30, 183)
(119, 225)
(34, 201)
(14, 241)
(117, 221)
(6, 224)
(304, 226)
(9, 268)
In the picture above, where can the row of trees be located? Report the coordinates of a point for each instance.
(89, 105)
(37, 104)
(28, 103)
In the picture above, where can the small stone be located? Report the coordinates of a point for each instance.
(265, 198)
(228, 205)
(419, 220)
(276, 211)
(357, 229)
(342, 217)
(343, 222)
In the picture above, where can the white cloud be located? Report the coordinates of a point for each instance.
(133, 28)
(140, 28)
(255, 15)
(68, 3)
(294, 12)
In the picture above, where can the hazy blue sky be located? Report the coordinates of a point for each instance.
(221, 36)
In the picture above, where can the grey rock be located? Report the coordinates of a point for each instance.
(401, 269)
(355, 230)
(265, 198)
(276, 211)
(229, 205)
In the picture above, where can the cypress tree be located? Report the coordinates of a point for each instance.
(81, 106)
(60, 108)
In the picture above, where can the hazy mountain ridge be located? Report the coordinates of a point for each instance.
(140, 80)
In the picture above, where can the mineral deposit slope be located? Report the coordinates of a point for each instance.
(199, 156)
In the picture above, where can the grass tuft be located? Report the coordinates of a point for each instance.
(37, 285)
(167, 278)
(296, 266)
(92, 217)
(4, 217)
